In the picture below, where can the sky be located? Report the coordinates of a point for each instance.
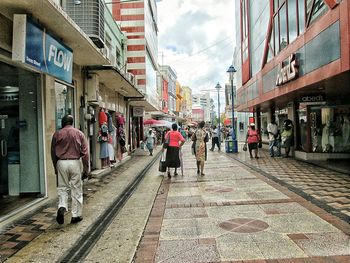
(196, 38)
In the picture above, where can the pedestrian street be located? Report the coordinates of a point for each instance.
(234, 213)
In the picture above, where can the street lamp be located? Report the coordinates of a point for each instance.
(231, 71)
(218, 87)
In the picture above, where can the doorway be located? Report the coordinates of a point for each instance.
(20, 176)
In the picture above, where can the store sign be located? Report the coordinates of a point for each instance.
(138, 111)
(313, 99)
(287, 72)
(34, 47)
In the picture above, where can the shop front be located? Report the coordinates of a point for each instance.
(21, 138)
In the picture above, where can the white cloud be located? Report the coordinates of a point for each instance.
(196, 38)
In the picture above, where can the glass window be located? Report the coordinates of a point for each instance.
(64, 102)
(283, 27)
(276, 35)
(292, 20)
(301, 15)
(330, 129)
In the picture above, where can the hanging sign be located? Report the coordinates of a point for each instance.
(33, 46)
(287, 72)
(138, 111)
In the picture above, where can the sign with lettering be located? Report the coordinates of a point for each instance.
(287, 72)
(35, 47)
(313, 99)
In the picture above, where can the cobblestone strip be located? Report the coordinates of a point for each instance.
(147, 248)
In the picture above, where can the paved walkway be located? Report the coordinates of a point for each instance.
(327, 189)
(234, 213)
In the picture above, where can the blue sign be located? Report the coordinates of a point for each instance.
(47, 54)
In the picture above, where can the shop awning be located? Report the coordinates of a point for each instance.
(55, 20)
(141, 103)
(113, 79)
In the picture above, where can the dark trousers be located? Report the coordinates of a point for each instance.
(215, 140)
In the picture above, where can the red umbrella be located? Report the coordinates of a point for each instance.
(152, 122)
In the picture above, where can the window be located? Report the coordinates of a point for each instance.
(244, 6)
(64, 102)
(290, 19)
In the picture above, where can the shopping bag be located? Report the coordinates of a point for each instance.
(162, 165)
(245, 148)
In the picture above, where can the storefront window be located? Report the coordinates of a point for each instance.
(330, 129)
(64, 102)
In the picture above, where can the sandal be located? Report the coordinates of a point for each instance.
(202, 174)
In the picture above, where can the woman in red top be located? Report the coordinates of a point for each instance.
(253, 139)
(172, 159)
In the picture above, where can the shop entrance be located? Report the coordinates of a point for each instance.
(20, 180)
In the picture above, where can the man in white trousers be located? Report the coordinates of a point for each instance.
(68, 149)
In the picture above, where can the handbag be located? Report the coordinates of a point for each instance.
(162, 165)
(166, 141)
(245, 148)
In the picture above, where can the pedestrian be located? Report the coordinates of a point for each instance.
(253, 139)
(68, 148)
(150, 141)
(172, 158)
(215, 138)
(274, 138)
(287, 137)
(200, 138)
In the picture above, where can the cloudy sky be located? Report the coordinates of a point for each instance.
(196, 38)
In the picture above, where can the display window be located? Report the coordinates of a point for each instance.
(64, 102)
(329, 128)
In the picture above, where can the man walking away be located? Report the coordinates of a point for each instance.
(274, 139)
(215, 138)
(67, 147)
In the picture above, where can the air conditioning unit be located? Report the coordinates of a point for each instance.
(93, 88)
(89, 16)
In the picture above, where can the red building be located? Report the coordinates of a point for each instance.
(294, 64)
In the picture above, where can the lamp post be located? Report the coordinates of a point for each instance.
(231, 71)
(218, 87)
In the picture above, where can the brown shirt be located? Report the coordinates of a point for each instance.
(69, 143)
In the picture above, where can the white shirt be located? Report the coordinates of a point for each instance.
(272, 128)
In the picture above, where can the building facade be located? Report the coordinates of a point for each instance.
(39, 84)
(170, 77)
(204, 101)
(295, 65)
(138, 19)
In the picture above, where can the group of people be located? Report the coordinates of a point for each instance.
(277, 139)
(69, 149)
(173, 142)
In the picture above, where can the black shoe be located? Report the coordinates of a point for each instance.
(76, 219)
(60, 215)
(175, 174)
(169, 176)
(198, 172)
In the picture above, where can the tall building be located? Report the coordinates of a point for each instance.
(294, 64)
(187, 102)
(170, 77)
(204, 101)
(138, 19)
